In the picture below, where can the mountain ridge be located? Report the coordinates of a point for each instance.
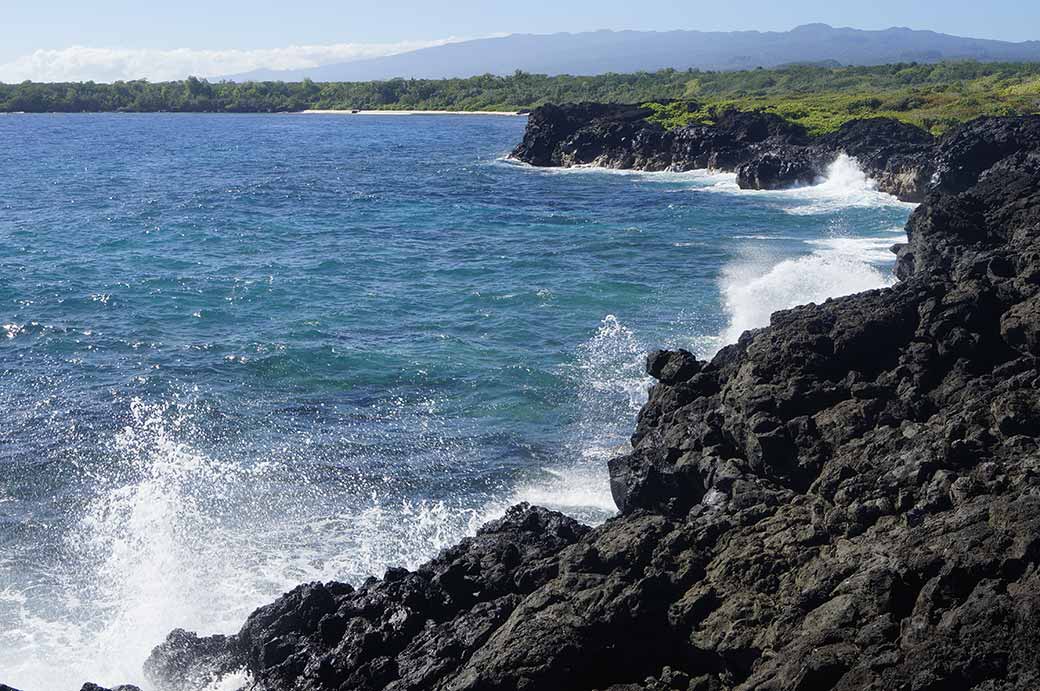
(602, 51)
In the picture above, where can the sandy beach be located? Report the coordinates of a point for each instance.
(409, 112)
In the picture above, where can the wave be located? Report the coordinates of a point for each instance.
(175, 536)
(609, 385)
(843, 185)
(698, 176)
(870, 249)
(761, 281)
(758, 285)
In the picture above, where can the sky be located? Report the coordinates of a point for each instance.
(104, 40)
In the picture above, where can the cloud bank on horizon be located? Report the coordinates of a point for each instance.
(82, 63)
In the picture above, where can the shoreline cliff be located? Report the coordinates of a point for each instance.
(846, 499)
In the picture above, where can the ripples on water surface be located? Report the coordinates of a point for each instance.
(241, 352)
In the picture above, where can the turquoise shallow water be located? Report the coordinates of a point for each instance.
(240, 352)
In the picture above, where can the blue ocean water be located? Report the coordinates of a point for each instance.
(241, 352)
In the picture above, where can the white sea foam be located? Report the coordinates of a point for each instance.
(762, 282)
(698, 176)
(869, 249)
(178, 538)
(756, 287)
(844, 185)
(236, 681)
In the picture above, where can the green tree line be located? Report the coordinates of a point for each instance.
(933, 95)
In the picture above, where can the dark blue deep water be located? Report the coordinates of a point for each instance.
(241, 352)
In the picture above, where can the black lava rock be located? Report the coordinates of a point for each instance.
(765, 151)
(672, 366)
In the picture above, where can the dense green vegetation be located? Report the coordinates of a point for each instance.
(933, 96)
(930, 96)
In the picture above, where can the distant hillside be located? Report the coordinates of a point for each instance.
(600, 52)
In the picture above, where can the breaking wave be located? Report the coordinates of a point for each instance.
(756, 287)
(762, 281)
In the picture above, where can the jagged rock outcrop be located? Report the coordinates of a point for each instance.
(408, 631)
(848, 499)
(765, 151)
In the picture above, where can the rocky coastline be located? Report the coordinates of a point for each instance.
(764, 150)
(847, 499)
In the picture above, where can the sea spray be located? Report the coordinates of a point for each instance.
(609, 386)
(761, 281)
(756, 287)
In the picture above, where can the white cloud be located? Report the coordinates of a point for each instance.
(80, 63)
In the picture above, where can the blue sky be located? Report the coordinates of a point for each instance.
(141, 35)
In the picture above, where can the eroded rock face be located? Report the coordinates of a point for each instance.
(764, 150)
(846, 499)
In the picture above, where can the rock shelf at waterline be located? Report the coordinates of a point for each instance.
(846, 499)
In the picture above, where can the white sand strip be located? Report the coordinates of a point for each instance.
(408, 112)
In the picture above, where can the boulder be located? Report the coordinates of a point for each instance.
(780, 168)
(672, 366)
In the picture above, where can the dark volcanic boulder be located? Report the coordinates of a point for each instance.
(968, 151)
(750, 127)
(95, 687)
(788, 166)
(848, 499)
(672, 366)
(186, 662)
(549, 126)
(619, 136)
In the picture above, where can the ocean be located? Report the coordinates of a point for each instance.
(241, 352)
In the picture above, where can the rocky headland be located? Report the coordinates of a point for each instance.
(846, 499)
(764, 150)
